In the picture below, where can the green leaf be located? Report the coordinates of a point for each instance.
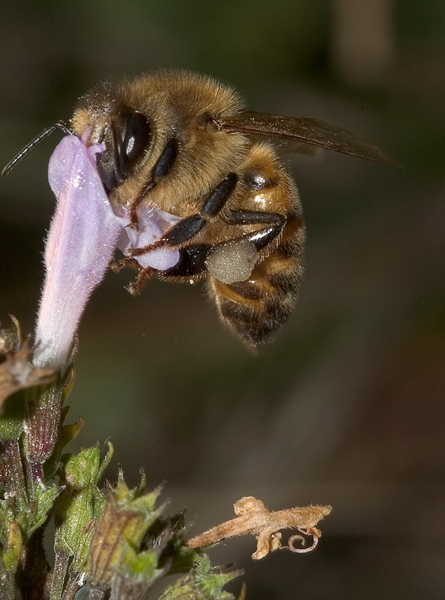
(44, 498)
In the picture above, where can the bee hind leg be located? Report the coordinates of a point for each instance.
(192, 261)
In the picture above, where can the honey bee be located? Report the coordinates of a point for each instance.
(183, 144)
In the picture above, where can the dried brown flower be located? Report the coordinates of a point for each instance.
(17, 372)
(255, 518)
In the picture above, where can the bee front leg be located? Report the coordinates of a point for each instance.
(161, 169)
(187, 228)
(135, 287)
(143, 273)
(118, 265)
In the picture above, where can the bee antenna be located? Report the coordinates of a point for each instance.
(44, 134)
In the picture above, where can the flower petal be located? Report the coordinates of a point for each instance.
(152, 224)
(80, 245)
(83, 235)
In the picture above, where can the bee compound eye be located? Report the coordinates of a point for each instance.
(136, 139)
(128, 139)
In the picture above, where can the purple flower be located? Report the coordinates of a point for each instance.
(152, 224)
(83, 235)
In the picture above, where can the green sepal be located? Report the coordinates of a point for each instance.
(184, 558)
(140, 567)
(169, 533)
(211, 580)
(12, 548)
(2, 520)
(116, 545)
(44, 502)
(66, 434)
(183, 589)
(202, 583)
(13, 416)
(127, 499)
(80, 505)
(29, 515)
(17, 375)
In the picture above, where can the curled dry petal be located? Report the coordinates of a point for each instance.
(253, 517)
(301, 549)
(16, 373)
(83, 236)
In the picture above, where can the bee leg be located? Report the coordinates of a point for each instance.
(118, 265)
(262, 237)
(193, 258)
(192, 261)
(181, 232)
(161, 169)
(252, 217)
(187, 228)
(144, 274)
(135, 287)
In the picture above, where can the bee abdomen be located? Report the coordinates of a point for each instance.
(256, 309)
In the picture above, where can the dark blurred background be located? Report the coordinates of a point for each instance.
(347, 406)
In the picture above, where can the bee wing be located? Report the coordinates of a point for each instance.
(303, 131)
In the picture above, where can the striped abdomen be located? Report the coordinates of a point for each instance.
(257, 308)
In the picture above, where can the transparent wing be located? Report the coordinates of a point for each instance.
(303, 131)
